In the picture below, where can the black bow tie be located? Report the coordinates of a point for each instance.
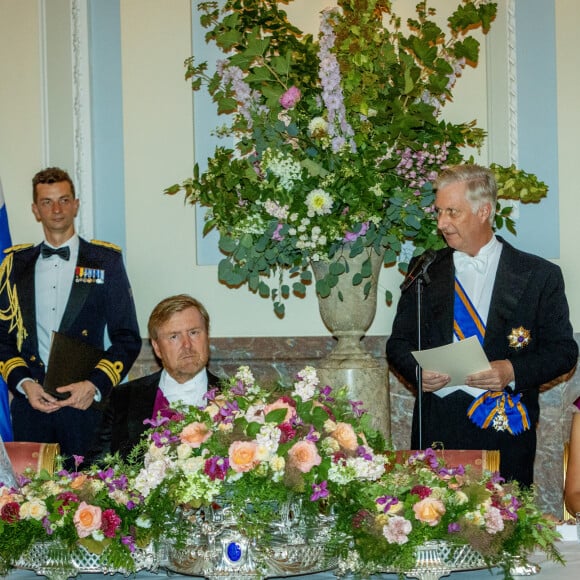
(47, 251)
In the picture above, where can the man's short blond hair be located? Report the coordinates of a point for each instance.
(171, 305)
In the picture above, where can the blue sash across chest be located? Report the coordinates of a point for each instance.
(496, 409)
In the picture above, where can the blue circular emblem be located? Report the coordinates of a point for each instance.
(234, 551)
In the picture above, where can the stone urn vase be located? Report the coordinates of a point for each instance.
(348, 312)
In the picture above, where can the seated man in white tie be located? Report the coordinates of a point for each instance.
(179, 333)
(513, 302)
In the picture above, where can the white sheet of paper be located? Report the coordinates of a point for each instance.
(457, 360)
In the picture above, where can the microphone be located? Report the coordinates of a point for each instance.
(419, 269)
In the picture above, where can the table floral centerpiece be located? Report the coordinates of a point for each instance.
(258, 448)
(255, 449)
(337, 139)
(94, 510)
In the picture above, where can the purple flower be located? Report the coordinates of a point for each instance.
(164, 438)
(312, 435)
(290, 97)
(239, 388)
(451, 471)
(329, 74)
(227, 412)
(22, 480)
(211, 394)
(386, 502)
(319, 491)
(216, 467)
(78, 459)
(357, 409)
(106, 473)
(325, 394)
(362, 451)
(453, 527)
(156, 422)
(129, 541)
(427, 456)
(352, 236)
(47, 526)
(276, 234)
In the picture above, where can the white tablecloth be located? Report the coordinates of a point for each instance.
(549, 570)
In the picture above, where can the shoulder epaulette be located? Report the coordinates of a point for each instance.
(107, 245)
(17, 248)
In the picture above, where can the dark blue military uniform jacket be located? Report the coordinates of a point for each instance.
(100, 300)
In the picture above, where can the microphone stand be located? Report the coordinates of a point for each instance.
(419, 277)
(419, 292)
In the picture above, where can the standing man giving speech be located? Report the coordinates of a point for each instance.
(513, 302)
(79, 289)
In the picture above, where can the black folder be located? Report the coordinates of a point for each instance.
(70, 361)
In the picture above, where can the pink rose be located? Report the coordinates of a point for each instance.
(304, 456)
(493, 521)
(242, 455)
(429, 510)
(290, 97)
(195, 434)
(345, 436)
(87, 519)
(397, 530)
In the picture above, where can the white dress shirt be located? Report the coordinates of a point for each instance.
(191, 392)
(53, 282)
(477, 276)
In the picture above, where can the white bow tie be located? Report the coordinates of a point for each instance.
(466, 263)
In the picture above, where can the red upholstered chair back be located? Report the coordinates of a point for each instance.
(23, 454)
(480, 459)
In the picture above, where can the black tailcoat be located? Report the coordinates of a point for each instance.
(528, 292)
(131, 403)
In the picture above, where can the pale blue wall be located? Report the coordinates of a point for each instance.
(538, 227)
(107, 121)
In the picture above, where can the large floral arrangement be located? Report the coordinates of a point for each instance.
(95, 509)
(256, 448)
(422, 499)
(261, 447)
(337, 139)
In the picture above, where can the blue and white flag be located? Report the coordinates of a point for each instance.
(5, 423)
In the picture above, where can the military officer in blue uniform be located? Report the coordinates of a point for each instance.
(79, 289)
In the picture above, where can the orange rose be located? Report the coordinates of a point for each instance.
(195, 434)
(304, 456)
(6, 497)
(87, 519)
(78, 481)
(242, 455)
(429, 510)
(346, 437)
